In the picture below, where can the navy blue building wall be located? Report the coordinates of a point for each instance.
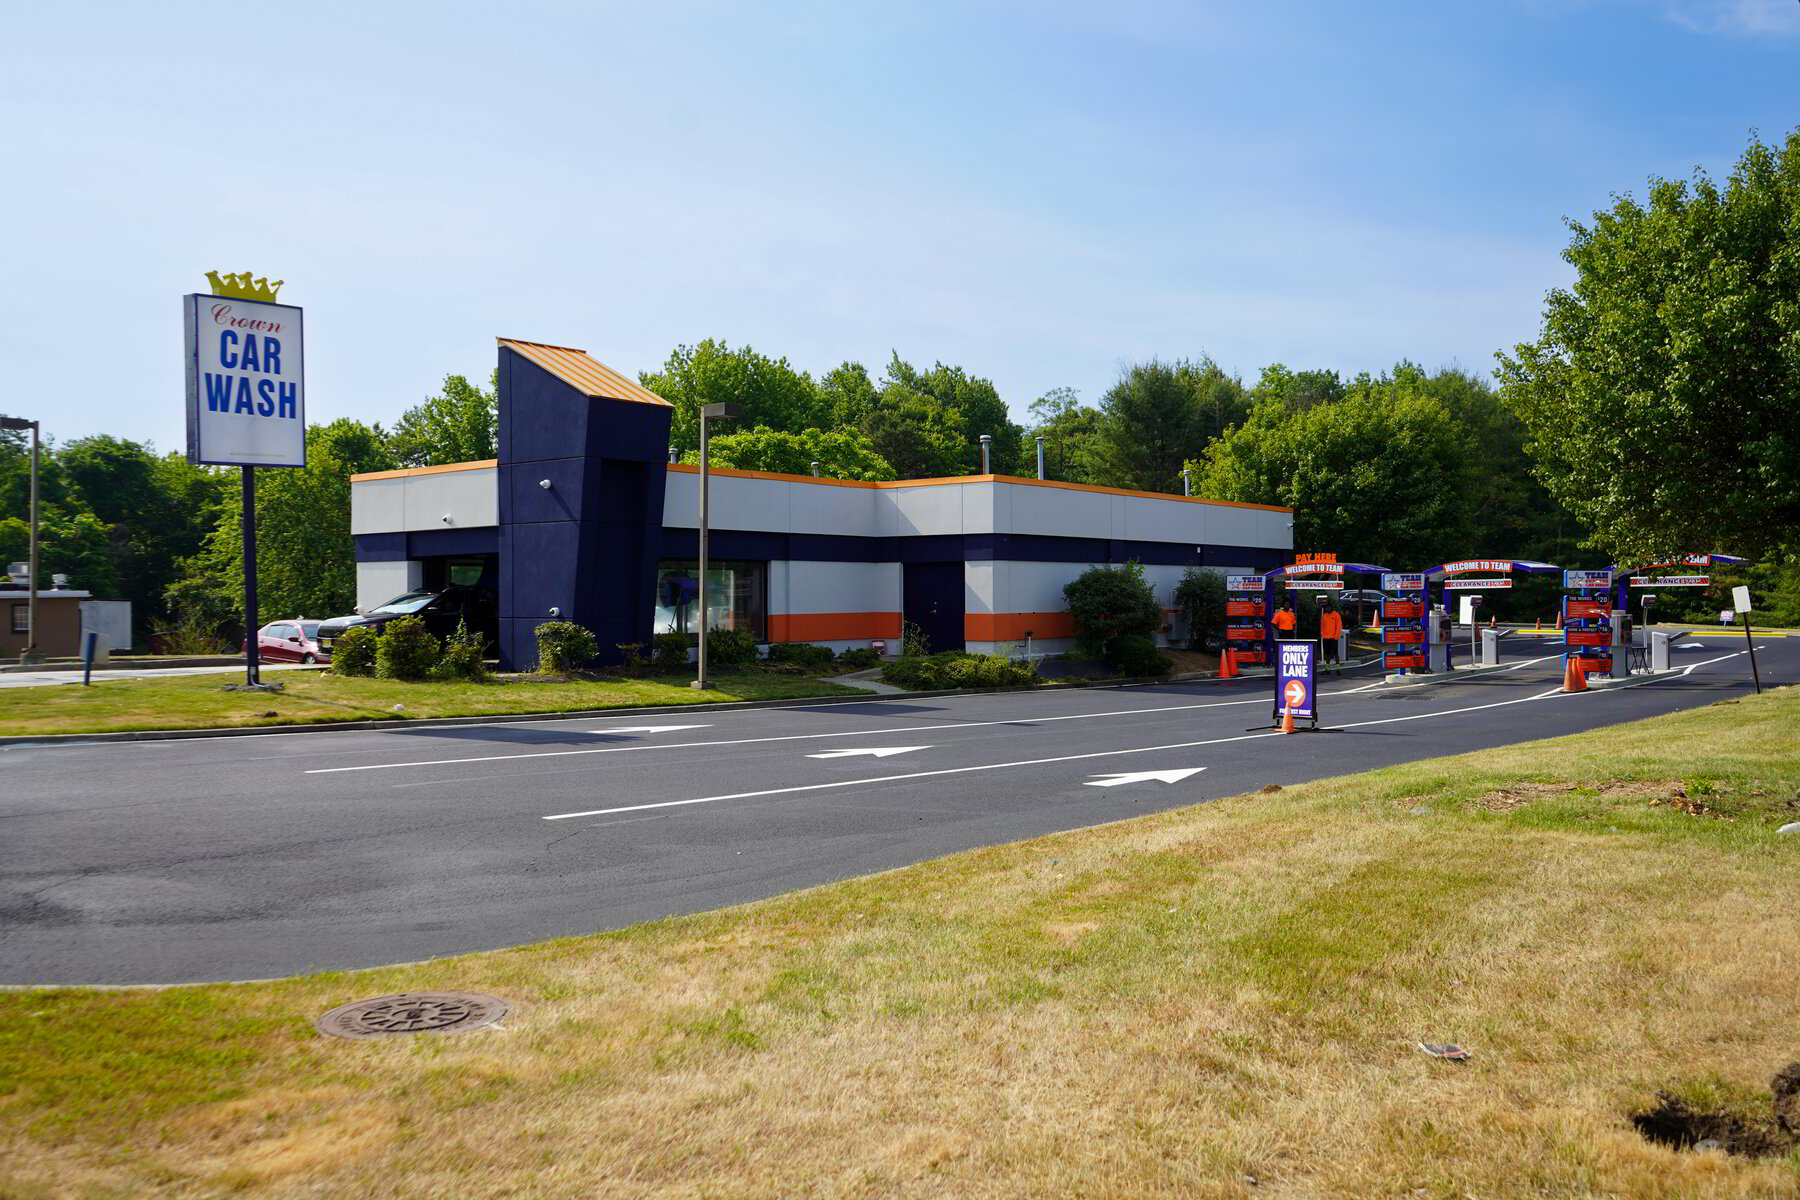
(587, 545)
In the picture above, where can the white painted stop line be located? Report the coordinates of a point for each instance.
(1175, 776)
(876, 752)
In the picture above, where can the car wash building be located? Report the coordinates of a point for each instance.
(583, 518)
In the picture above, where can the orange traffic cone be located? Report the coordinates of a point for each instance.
(1228, 663)
(1287, 719)
(1574, 678)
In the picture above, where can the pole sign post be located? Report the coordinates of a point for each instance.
(1403, 621)
(246, 399)
(1295, 666)
(1247, 617)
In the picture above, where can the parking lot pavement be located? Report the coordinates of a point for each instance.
(271, 854)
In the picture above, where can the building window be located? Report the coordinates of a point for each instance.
(736, 596)
(21, 622)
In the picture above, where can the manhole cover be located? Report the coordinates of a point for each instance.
(412, 1012)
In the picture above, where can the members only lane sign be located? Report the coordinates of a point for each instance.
(246, 382)
(1294, 679)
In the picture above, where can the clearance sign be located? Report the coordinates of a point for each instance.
(246, 376)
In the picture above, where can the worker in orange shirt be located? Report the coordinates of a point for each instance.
(1283, 621)
(1331, 624)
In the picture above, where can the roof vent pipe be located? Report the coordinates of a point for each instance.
(1187, 483)
(987, 440)
(1040, 444)
(674, 455)
(815, 467)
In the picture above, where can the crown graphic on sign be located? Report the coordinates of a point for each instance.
(244, 286)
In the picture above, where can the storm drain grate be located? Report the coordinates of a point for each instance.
(412, 1012)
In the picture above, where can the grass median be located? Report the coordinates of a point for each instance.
(1223, 1000)
(312, 697)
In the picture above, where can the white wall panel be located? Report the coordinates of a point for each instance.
(379, 582)
(839, 587)
(378, 506)
(927, 510)
(471, 499)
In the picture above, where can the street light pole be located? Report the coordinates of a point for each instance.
(722, 412)
(29, 654)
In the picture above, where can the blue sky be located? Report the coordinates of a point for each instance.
(1039, 192)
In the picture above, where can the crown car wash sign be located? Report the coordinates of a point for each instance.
(246, 382)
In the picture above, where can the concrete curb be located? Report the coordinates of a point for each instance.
(167, 735)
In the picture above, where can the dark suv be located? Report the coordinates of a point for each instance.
(440, 610)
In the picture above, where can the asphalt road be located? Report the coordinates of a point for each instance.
(252, 857)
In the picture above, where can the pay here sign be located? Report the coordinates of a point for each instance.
(1294, 678)
(246, 382)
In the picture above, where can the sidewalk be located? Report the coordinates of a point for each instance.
(45, 678)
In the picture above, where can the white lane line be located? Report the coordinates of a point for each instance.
(1028, 762)
(649, 728)
(876, 751)
(802, 737)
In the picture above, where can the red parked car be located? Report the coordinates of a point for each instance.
(290, 641)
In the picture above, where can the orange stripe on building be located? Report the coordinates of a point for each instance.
(1012, 627)
(832, 627)
(405, 472)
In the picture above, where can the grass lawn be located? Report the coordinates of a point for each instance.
(1169, 1006)
(201, 701)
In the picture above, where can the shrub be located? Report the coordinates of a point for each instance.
(564, 646)
(955, 670)
(354, 653)
(1109, 603)
(1136, 655)
(913, 642)
(631, 659)
(730, 648)
(671, 654)
(464, 653)
(1201, 598)
(406, 650)
(858, 658)
(801, 658)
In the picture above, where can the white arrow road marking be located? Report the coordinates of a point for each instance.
(648, 728)
(1035, 762)
(881, 752)
(1175, 776)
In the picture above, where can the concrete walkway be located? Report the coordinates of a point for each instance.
(46, 678)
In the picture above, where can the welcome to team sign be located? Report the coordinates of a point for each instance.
(246, 382)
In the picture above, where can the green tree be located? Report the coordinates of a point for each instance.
(919, 437)
(1150, 423)
(1220, 398)
(1378, 476)
(1068, 428)
(840, 453)
(1111, 605)
(1201, 598)
(1298, 390)
(305, 556)
(849, 394)
(459, 424)
(772, 394)
(1662, 396)
(966, 404)
(78, 545)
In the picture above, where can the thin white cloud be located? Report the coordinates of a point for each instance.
(1746, 18)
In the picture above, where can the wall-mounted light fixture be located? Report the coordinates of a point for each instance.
(545, 484)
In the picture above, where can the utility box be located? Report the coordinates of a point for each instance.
(111, 619)
(1437, 650)
(1659, 647)
(1490, 647)
(1621, 644)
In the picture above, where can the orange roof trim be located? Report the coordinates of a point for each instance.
(691, 469)
(403, 472)
(591, 376)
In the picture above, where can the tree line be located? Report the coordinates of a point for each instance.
(1657, 413)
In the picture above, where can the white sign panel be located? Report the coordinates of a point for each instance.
(1587, 579)
(1740, 598)
(1640, 581)
(1477, 583)
(1394, 582)
(1314, 585)
(246, 382)
(1477, 564)
(1243, 583)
